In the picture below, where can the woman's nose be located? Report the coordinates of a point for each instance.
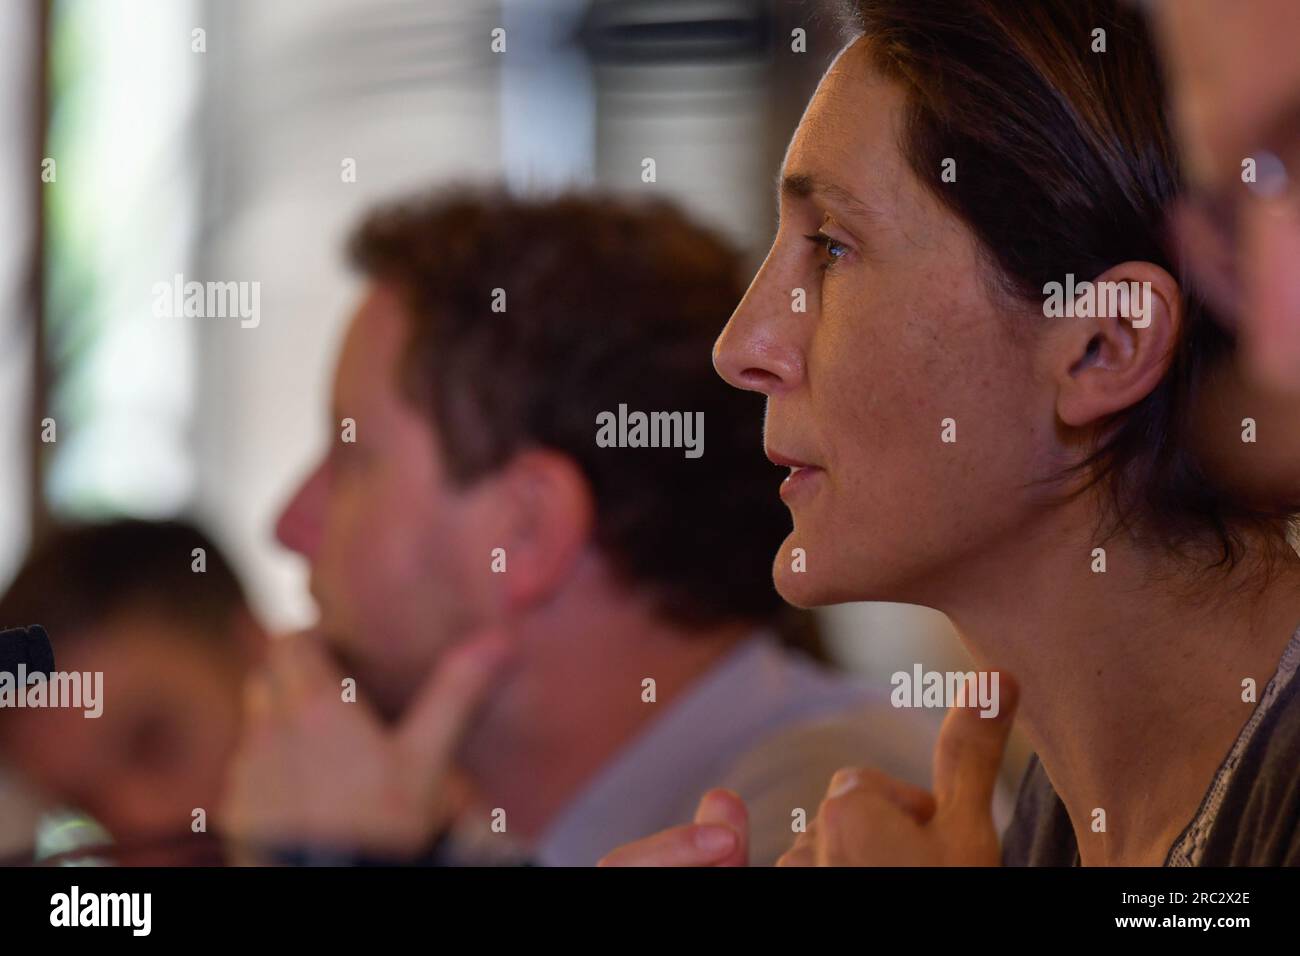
(758, 350)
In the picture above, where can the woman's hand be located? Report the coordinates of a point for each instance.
(870, 819)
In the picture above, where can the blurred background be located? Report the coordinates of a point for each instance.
(239, 140)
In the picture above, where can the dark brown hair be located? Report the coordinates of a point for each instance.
(78, 576)
(608, 302)
(1067, 165)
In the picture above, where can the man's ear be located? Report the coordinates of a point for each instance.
(1114, 358)
(550, 517)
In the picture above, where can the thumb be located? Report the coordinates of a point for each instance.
(437, 717)
(725, 808)
(969, 751)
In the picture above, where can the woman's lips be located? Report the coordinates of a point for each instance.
(802, 481)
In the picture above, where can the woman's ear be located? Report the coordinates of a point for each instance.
(1116, 347)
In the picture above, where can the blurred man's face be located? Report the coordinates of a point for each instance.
(399, 555)
(170, 721)
(1236, 88)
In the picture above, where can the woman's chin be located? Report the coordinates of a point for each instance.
(805, 585)
(799, 588)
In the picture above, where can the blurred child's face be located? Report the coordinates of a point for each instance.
(171, 706)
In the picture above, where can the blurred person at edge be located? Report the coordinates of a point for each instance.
(1235, 94)
(174, 637)
(503, 586)
(1070, 532)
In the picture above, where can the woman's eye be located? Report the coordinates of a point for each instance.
(834, 250)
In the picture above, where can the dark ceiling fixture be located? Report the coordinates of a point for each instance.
(669, 31)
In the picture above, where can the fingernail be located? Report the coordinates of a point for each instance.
(715, 839)
(842, 782)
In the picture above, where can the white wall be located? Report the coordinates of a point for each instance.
(297, 86)
(18, 184)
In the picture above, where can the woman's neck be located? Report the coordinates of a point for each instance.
(1132, 679)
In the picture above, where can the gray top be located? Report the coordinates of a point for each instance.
(765, 722)
(1250, 816)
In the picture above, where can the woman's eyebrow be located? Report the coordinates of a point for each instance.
(807, 186)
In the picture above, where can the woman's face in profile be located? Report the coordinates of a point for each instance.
(902, 342)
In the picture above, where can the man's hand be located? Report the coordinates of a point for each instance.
(718, 837)
(313, 768)
(870, 819)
